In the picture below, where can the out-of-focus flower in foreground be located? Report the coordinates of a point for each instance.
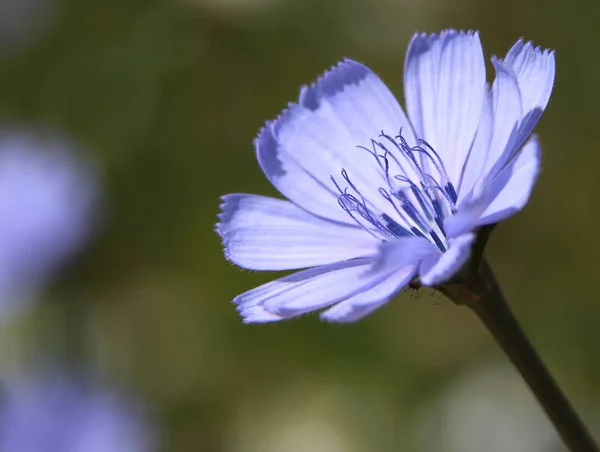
(60, 414)
(47, 198)
(376, 197)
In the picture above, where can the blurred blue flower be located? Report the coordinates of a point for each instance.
(46, 212)
(61, 414)
(378, 198)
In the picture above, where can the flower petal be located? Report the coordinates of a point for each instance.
(290, 248)
(258, 314)
(295, 182)
(444, 89)
(240, 210)
(467, 217)
(508, 111)
(356, 98)
(311, 289)
(511, 188)
(473, 170)
(261, 233)
(358, 306)
(436, 270)
(318, 287)
(534, 70)
(318, 139)
(397, 254)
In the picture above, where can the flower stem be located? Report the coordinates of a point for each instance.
(484, 297)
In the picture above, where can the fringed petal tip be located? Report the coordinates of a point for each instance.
(534, 68)
(529, 46)
(501, 67)
(258, 314)
(333, 81)
(259, 140)
(265, 146)
(267, 134)
(444, 34)
(218, 228)
(229, 204)
(424, 42)
(262, 233)
(251, 312)
(266, 143)
(229, 207)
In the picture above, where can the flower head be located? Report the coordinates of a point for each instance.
(376, 197)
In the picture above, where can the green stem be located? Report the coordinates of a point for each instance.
(484, 297)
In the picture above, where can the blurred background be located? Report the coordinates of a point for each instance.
(165, 97)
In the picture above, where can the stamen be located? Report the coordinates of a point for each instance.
(418, 233)
(451, 192)
(412, 212)
(440, 164)
(342, 200)
(389, 199)
(406, 150)
(438, 209)
(437, 241)
(402, 152)
(440, 225)
(420, 200)
(394, 227)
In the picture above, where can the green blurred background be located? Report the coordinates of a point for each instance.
(167, 97)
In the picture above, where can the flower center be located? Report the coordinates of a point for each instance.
(415, 198)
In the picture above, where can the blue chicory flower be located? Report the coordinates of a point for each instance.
(47, 200)
(376, 197)
(55, 413)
